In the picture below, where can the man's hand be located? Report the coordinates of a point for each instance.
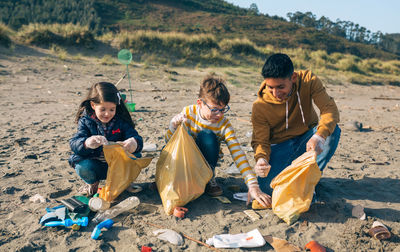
(130, 145)
(255, 193)
(177, 120)
(262, 167)
(316, 143)
(95, 142)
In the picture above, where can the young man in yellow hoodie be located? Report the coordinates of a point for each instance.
(285, 124)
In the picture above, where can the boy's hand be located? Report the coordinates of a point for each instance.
(130, 145)
(262, 167)
(177, 120)
(95, 142)
(255, 193)
(316, 143)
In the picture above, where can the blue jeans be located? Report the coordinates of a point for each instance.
(284, 153)
(209, 146)
(91, 170)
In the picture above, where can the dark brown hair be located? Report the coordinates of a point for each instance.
(278, 65)
(104, 92)
(214, 87)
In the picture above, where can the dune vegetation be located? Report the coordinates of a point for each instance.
(201, 50)
(217, 17)
(60, 34)
(5, 34)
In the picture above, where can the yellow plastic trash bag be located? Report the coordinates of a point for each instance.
(294, 187)
(123, 169)
(182, 172)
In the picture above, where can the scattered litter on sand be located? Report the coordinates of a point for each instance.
(37, 198)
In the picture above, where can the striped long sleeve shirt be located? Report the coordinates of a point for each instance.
(224, 132)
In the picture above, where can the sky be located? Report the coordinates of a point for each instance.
(375, 15)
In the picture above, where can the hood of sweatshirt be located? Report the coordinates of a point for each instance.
(267, 97)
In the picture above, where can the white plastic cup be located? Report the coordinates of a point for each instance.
(98, 204)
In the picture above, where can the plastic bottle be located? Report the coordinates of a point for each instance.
(97, 204)
(114, 211)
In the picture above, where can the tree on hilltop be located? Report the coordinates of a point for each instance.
(254, 8)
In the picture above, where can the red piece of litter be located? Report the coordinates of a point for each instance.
(180, 212)
(314, 246)
(146, 249)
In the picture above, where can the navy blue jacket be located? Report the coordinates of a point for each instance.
(88, 126)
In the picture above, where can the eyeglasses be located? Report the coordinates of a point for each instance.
(215, 110)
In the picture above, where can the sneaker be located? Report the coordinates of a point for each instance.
(213, 189)
(89, 189)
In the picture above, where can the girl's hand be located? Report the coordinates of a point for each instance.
(130, 145)
(255, 193)
(95, 142)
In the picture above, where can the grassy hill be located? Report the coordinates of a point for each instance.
(225, 21)
(189, 33)
(216, 17)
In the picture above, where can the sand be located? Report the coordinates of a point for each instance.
(39, 95)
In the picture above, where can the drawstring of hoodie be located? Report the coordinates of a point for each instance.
(287, 115)
(301, 110)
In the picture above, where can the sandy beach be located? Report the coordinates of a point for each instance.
(39, 96)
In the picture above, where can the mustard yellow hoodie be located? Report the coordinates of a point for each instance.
(277, 121)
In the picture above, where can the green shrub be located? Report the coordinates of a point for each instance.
(180, 49)
(300, 57)
(349, 64)
(40, 37)
(107, 60)
(359, 80)
(106, 37)
(78, 56)
(172, 48)
(240, 46)
(5, 34)
(184, 49)
(371, 65)
(319, 54)
(391, 67)
(171, 42)
(61, 34)
(60, 52)
(335, 57)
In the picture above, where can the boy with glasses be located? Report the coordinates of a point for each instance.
(209, 127)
